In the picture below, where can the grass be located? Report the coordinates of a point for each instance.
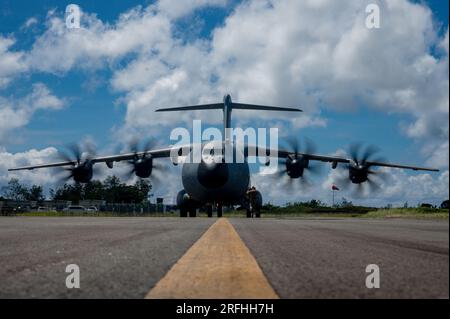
(362, 212)
(416, 213)
(283, 212)
(96, 214)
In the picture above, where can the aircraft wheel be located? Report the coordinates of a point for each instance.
(183, 212)
(249, 213)
(209, 211)
(219, 211)
(258, 214)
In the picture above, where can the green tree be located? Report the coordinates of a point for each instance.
(346, 203)
(15, 190)
(112, 190)
(35, 193)
(68, 192)
(93, 190)
(143, 189)
(314, 203)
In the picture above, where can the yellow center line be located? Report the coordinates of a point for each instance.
(217, 266)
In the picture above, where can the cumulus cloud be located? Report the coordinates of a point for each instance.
(396, 187)
(338, 62)
(176, 9)
(313, 54)
(30, 157)
(15, 113)
(11, 62)
(322, 55)
(60, 49)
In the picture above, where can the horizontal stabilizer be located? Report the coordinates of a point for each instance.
(242, 106)
(193, 107)
(234, 106)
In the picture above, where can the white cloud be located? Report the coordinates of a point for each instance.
(60, 49)
(30, 157)
(179, 8)
(313, 54)
(322, 54)
(444, 43)
(397, 188)
(15, 113)
(11, 62)
(30, 22)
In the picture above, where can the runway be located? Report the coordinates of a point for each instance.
(288, 258)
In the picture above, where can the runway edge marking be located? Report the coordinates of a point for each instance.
(219, 266)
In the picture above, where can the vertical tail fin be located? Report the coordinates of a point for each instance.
(227, 106)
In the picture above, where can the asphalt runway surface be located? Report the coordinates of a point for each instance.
(300, 258)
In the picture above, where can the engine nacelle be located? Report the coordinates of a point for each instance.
(82, 173)
(184, 201)
(295, 167)
(358, 174)
(143, 167)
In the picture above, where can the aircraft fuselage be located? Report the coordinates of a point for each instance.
(216, 181)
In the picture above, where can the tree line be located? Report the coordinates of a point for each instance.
(112, 190)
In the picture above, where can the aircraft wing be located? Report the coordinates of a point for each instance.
(255, 150)
(109, 160)
(249, 150)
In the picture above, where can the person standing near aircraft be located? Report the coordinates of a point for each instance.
(252, 199)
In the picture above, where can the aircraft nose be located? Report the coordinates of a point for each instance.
(212, 175)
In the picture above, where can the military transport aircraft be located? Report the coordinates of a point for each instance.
(218, 183)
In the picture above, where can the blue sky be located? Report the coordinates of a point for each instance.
(97, 107)
(99, 112)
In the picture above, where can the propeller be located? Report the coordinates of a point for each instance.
(359, 172)
(142, 164)
(81, 168)
(297, 164)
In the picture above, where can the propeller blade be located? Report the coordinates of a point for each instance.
(64, 156)
(91, 150)
(359, 190)
(155, 179)
(354, 151)
(278, 173)
(374, 186)
(369, 152)
(311, 147)
(293, 144)
(63, 176)
(149, 145)
(76, 151)
(314, 168)
(74, 154)
(305, 183)
(342, 180)
(136, 147)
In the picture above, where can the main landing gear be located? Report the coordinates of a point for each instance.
(192, 211)
(219, 210)
(184, 212)
(253, 212)
(209, 210)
